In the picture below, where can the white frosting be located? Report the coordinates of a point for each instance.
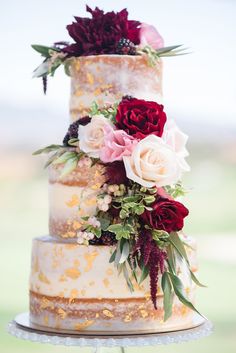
(63, 268)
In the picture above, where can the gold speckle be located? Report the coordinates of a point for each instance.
(43, 278)
(72, 272)
(144, 313)
(187, 290)
(184, 310)
(62, 278)
(107, 313)
(99, 297)
(73, 294)
(70, 246)
(76, 225)
(82, 325)
(109, 272)
(74, 201)
(96, 186)
(79, 93)
(76, 263)
(90, 202)
(45, 320)
(127, 318)
(90, 78)
(90, 257)
(68, 235)
(106, 282)
(97, 315)
(91, 283)
(116, 300)
(62, 313)
(77, 65)
(45, 303)
(36, 265)
(61, 294)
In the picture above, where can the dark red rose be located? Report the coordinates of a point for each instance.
(167, 215)
(101, 33)
(140, 118)
(115, 173)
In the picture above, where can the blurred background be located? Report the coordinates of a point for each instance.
(199, 92)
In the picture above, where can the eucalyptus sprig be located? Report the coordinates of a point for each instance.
(155, 55)
(176, 190)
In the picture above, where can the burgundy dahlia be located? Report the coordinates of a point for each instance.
(101, 33)
(140, 118)
(167, 215)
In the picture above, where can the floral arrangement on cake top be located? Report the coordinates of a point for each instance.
(104, 33)
(137, 210)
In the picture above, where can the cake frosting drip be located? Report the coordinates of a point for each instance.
(71, 285)
(106, 78)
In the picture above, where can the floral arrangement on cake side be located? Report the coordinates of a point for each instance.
(104, 33)
(137, 211)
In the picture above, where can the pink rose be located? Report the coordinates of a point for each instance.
(117, 143)
(150, 36)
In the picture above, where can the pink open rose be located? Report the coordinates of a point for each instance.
(150, 36)
(117, 143)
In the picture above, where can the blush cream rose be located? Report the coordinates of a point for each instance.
(91, 136)
(152, 163)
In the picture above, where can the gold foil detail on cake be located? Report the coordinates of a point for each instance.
(144, 313)
(62, 278)
(76, 225)
(69, 234)
(106, 282)
(90, 257)
(43, 278)
(72, 272)
(70, 246)
(45, 303)
(62, 313)
(36, 265)
(108, 313)
(109, 272)
(90, 202)
(127, 318)
(45, 320)
(91, 283)
(83, 325)
(74, 201)
(79, 93)
(90, 78)
(73, 294)
(97, 315)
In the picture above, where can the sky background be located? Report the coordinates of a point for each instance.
(199, 89)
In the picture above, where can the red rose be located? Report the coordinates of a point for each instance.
(140, 118)
(167, 215)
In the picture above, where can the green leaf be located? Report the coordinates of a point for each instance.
(47, 149)
(65, 157)
(175, 240)
(139, 209)
(159, 234)
(144, 274)
(149, 199)
(194, 279)
(112, 258)
(167, 49)
(124, 252)
(171, 257)
(179, 291)
(118, 254)
(105, 222)
(43, 50)
(70, 165)
(168, 295)
(126, 275)
(129, 199)
(121, 230)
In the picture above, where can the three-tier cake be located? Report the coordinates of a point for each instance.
(116, 259)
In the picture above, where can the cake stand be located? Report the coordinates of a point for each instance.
(22, 328)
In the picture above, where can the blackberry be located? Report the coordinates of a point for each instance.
(72, 132)
(125, 47)
(95, 241)
(127, 97)
(108, 238)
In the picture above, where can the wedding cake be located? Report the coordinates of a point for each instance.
(116, 259)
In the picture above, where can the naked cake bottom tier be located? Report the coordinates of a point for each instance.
(74, 287)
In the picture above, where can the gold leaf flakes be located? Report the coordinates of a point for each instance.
(74, 201)
(68, 235)
(90, 78)
(73, 294)
(72, 272)
(107, 313)
(36, 265)
(97, 92)
(76, 225)
(70, 246)
(127, 318)
(43, 278)
(144, 313)
(79, 93)
(45, 303)
(45, 320)
(106, 282)
(83, 325)
(109, 272)
(90, 202)
(62, 278)
(91, 283)
(77, 65)
(62, 313)
(90, 257)
(97, 315)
